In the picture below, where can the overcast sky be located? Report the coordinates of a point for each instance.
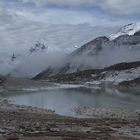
(95, 12)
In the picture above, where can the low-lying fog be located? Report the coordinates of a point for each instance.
(36, 63)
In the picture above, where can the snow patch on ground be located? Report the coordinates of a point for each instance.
(55, 86)
(94, 85)
(120, 76)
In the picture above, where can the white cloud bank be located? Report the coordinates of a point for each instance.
(120, 7)
(99, 12)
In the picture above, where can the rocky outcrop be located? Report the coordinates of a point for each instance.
(129, 86)
(38, 47)
(116, 73)
(129, 29)
(123, 66)
(2, 80)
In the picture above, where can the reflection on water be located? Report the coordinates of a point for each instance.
(63, 100)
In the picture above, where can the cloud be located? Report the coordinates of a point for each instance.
(69, 16)
(95, 12)
(120, 7)
(5, 17)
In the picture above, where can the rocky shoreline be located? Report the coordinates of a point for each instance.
(117, 113)
(22, 122)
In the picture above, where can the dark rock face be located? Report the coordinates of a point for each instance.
(128, 40)
(123, 66)
(132, 86)
(38, 47)
(130, 83)
(2, 79)
(137, 34)
(13, 57)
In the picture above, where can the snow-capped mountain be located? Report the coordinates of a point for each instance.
(48, 53)
(99, 53)
(38, 47)
(20, 39)
(129, 29)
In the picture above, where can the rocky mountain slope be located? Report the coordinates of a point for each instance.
(102, 52)
(102, 61)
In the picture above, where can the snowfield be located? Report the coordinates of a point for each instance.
(129, 29)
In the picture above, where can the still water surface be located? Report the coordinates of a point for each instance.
(63, 100)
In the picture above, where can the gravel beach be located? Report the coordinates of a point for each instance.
(22, 122)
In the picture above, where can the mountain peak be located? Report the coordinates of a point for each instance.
(38, 47)
(129, 29)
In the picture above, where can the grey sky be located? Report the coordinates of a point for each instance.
(95, 12)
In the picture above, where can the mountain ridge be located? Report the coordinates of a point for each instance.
(115, 67)
(101, 53)
(129, 29)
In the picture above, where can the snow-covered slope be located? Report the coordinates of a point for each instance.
(129, 29)
(120, 76)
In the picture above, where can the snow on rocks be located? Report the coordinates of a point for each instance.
(129, 29)
(120, 76)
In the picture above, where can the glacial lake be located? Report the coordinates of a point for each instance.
(64, 100)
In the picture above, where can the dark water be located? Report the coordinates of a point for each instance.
(63, 100)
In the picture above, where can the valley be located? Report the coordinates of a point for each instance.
(94, 93)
